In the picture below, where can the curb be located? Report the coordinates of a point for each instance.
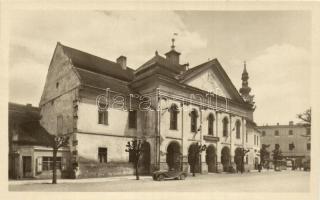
(92, 180)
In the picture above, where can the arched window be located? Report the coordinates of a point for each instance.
(194, 117)
(225, 122)
(173, 117)
(210, 124)
(238, 126)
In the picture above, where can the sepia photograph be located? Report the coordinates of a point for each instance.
(111, 100)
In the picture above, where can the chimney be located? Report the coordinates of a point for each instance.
(278, 124)
(122, 61)
(290, 123)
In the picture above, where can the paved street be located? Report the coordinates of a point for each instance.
(285, 181)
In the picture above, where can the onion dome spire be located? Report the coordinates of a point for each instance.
(245, 89)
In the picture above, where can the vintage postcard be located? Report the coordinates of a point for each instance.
(214, 99)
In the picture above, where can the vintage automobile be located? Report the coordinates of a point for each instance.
(171, 174)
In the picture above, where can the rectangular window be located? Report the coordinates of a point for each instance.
(257, 140)
(254, 142)
(291, 146)
(308, 146)
(47, 163)
(103, 154)
(263, 133)
(103, 117)
(276, 133)
(133, 119)
(290, 132)
(59, 124)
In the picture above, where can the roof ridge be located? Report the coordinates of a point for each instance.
(74, 49)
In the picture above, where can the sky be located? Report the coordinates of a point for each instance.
(276, 46)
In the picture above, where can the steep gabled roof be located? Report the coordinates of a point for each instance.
(32, 133)
(26, 119)
(217, 67)
(83, 60)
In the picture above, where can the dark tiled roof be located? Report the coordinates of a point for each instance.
(26, 118)
(29, 113)
(161, 61)
(96, 64)
(32, 133)
(89, 78)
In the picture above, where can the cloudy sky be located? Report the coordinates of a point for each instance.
(276, 46)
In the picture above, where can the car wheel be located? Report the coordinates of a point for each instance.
(182, 177)
(160, 177)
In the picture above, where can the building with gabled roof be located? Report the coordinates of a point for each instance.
(30, 149)
(102, 105)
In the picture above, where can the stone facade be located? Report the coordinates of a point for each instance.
(75, 79)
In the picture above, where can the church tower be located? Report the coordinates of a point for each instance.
(245, 89)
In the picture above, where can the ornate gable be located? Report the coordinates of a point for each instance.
(208, 81)
(211, 77)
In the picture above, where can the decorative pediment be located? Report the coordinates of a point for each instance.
(209, 81)
(211, 77)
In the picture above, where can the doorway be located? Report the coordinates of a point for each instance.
(211, 158)
(26, 167)
(173, 156)
(225, 158)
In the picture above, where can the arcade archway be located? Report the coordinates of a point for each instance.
(238, 159)
(194, 158)
(145, 158)
(173, 156)
(211, 158)
(225, 158)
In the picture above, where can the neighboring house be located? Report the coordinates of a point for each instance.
(294, 139)
(179, 108)
(29, 153)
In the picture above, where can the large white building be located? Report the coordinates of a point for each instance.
(169, 105)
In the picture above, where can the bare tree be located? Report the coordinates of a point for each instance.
(264, 155)
(305, 117)
(277, 156)
(195, 155)
(135, 150)
(57, 142)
